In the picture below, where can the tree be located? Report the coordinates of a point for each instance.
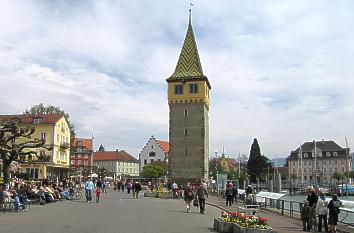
(15, 143)
(49, 109)
(337, 176)
(257, 163)
(152, 171)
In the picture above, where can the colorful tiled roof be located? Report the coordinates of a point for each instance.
(188, 65)
(121, 156)
(165, 146)
(30, 118)
(86, 142)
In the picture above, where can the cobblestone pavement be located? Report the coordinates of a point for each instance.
(117, 213)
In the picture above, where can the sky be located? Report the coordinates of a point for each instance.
(280, 71)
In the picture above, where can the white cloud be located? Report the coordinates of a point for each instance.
(276, 68)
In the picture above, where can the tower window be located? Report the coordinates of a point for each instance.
(185, 132)
(178, 89)
(193, 88)
(185, 112)
(186, 151)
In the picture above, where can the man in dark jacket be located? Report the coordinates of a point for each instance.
(312, 198)
(234, 193)
(201, 194)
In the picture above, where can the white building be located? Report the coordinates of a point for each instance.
(154, 151)
(316, 162)
(119, 163)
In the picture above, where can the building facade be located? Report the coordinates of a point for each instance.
(188, 99)
(316, 162)
(119, 163)
(154, 151)
(82, 153)
(54, 129)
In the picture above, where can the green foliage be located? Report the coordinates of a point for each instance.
(152, 171)
(257, 163)
(337, 176)
(49, 109)
(16, 143)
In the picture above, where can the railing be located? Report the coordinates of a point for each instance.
(65, 145)
(292, 208)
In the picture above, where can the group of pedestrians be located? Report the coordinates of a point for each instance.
(98, 188)
(231, 193)
(316, 206)
(197, 195)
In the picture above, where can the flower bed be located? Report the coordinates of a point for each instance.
(235, 222)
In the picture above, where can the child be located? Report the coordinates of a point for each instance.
(305, 216)
(98, 194)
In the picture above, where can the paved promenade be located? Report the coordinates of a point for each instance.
(117, 213)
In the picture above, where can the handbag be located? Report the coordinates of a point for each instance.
(195, 203)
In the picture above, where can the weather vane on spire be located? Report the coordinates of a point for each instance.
(190, 11)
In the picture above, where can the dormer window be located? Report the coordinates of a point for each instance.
(306, 155)
(37, 120)
(335, 154)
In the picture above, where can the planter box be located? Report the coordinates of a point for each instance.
(149, 194)
(217, 222)
(231, 227)
(164, 195)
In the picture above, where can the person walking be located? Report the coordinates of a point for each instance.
(201, 194)
(98, 194)
(312, 198)
(234, 193)
(174, 187)
(188, 196)
(334, 210)
(137, 189)
(129, 186)
(305, 216)
(322, 211)
(228, 194)
(89, 187)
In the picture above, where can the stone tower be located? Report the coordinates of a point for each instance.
(188, 100)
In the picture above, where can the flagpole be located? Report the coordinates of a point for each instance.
(315, 164)
(302, 168)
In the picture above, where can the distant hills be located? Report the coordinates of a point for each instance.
(279, 162)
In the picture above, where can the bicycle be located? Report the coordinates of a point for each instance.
(75, 195)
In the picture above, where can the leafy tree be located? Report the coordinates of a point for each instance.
(337, 176)
(101, 172)
(49, 109)
(257, 163)
(152, 171)
(15, 143)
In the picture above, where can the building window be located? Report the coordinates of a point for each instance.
(178, 89)
(193, 88)
(185, 112)
(145, 161)
(79, 162)
(37, 120)
(335, 154)
(328, 154)
(305, 177)
(186, 152)
(43, 136)
(324, 169)
(79, 143)
(86, 162)
(79, 156)
(152, 154)
(72, 162)
(185, 132)
(152, 160)
(86, 156)
(306, 155)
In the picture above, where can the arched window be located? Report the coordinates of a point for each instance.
(328, 154)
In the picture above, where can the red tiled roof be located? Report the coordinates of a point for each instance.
(29, 118)
(121, 156)
(86, 142)
(164, 145)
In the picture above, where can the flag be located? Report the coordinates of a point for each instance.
(191, 4)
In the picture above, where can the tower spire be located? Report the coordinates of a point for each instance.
(190, 13)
